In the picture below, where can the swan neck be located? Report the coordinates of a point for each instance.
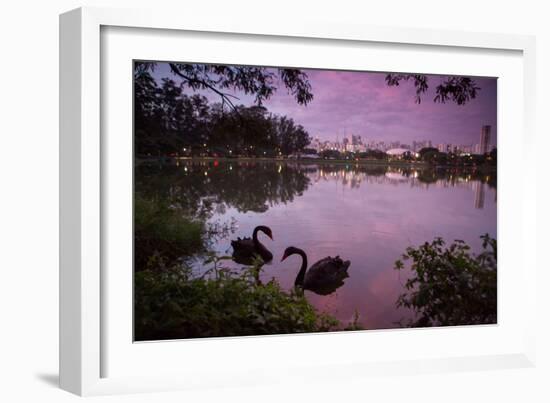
(302, 273)
(255, 235)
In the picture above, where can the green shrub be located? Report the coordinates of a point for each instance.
(161, 232)
(174, 304)
(450, 285)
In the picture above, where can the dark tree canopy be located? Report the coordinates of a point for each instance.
(169, 121)
(257, 81)
(451, 88)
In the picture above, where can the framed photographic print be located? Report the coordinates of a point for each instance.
(217, 174)
(231, 192)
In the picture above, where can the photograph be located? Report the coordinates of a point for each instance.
(273, 200)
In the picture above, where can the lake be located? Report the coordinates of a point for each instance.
(368, 214)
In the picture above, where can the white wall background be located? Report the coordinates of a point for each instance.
(29, 196)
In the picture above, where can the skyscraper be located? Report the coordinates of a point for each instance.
(485, 139)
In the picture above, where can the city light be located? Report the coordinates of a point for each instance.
(360, 144)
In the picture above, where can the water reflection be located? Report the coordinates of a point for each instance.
(204, 187)
(367, 214)
(480, 195)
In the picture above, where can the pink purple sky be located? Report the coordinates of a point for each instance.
(361, 103)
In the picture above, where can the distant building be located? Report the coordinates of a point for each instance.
(397, 152)
(485, 139)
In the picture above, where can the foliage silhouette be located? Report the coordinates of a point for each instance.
(172, 303)
(450, 88)
(168, 121)
(257, 81)
(164, 232)
(450, 286)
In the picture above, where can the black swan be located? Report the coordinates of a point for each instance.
(245, 249)
(323, 277)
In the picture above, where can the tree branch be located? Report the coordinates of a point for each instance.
(224, 96)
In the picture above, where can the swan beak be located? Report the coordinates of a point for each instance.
(284, 257)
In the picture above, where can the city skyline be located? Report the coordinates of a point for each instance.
(349, 103)
(356, 143)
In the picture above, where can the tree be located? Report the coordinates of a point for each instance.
(257, 81)
(450, 88)
(166, 120)
(147, 119)
(255, 131)
(376, 154)
(493, 157)
(426, 150)
(169, 121)
(290, 137)
(330, 154)
(309, 151)
(435, 157)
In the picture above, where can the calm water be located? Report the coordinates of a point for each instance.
(368, 215)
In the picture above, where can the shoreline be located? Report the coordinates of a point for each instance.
(317, 161)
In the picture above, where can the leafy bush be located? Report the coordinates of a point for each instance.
(161, 231)
(174, 304)
(450, 285)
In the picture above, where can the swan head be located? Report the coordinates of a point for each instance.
(266, 230)
(291, 250)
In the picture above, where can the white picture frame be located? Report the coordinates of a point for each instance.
(83, 177)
